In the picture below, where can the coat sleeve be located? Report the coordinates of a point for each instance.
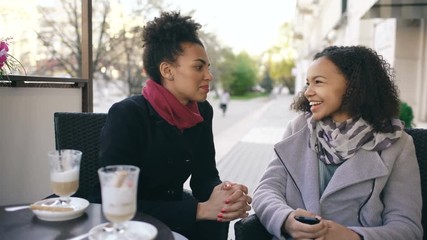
(269, 201)
(205, 175)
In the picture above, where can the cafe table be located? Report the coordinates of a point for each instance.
(24, 225)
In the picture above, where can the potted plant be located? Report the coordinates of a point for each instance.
(406, 114)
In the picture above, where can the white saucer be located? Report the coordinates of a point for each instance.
(178, 236)
(79, 206)
(142, 231)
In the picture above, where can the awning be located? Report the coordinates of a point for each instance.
(404, 9)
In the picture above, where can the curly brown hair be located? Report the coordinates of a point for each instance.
(162, 39)
(371, 92)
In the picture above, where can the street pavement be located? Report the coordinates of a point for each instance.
(245, 136)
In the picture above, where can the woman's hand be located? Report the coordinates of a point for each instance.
(299, 230)
(324, 230)
(337, 232)
(237, 204)
(227, 202)
(209, 210)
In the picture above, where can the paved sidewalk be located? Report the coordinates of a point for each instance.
(245, 148)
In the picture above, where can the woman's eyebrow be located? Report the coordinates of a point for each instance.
(315, 76)
(202, 61)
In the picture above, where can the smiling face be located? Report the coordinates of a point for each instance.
(326, 87)
(188, 77)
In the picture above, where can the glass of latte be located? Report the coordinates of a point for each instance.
(64, 173)
(118, 190)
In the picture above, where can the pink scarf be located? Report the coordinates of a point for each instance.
(169, 108)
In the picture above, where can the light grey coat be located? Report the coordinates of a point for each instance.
(377, 196)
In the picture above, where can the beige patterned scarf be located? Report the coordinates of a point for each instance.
(337, 142)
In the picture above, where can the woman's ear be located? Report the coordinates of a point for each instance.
(166, 71)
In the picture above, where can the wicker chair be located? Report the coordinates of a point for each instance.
(250, 228)
(81, 131)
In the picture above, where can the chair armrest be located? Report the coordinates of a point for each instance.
(250, 228)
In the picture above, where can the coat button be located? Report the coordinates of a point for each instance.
(170, 192)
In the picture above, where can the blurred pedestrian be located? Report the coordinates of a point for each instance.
(223, 101)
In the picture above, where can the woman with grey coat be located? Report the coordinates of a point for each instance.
(345, 161)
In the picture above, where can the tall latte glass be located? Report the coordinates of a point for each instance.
(64, 173)
(118, 189)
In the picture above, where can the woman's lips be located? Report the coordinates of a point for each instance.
(206, 88)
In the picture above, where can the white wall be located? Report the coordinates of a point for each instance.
(408, 55)
(421, 107)
(26, 135)
(385, 39)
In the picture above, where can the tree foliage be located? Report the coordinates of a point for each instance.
(215, 53)
(281, 59)
(238, 72)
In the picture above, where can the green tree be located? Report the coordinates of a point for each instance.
(282, 73)
(215, 52)
(226, 66)
(238, 72)
(281, 57)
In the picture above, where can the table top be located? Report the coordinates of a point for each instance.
(23, 225)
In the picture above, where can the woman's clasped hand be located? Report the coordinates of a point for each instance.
(227, 202)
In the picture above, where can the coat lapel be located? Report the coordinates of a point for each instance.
(363, 166)
(303, 167)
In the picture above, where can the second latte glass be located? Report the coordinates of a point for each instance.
(118, 189)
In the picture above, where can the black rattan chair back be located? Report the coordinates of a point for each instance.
(420, 141)
(81, 131)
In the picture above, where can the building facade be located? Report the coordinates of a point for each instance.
(396, 29)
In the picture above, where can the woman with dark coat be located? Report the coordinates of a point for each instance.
(167, 133)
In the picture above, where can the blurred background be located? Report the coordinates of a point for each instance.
(249, 43)
(84, 55)
(254, 46)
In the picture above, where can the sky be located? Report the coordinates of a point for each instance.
(251, 26)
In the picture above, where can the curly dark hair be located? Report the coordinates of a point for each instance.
(371, 91)
(162, 39)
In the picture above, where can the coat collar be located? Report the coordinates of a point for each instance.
(303, 167)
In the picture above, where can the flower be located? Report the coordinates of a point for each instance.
(8, 63)
(4, 48)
